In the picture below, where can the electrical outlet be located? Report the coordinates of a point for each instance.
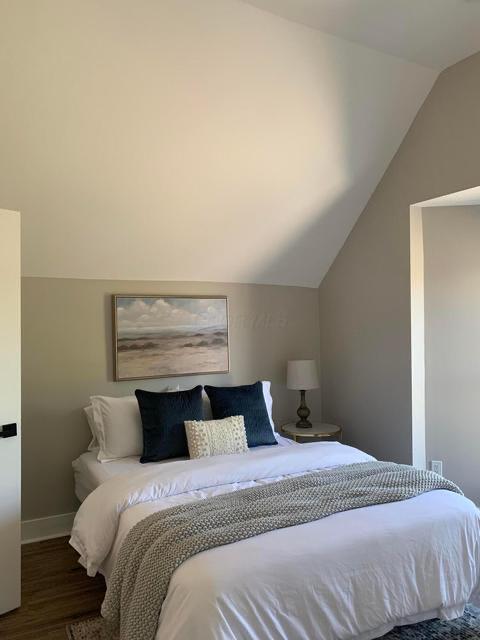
(437, 466)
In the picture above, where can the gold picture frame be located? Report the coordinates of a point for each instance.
(164, 336)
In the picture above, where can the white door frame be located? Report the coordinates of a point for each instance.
(417, 319)
(417, 313)
(10, 401)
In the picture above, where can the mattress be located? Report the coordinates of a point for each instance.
(89, 473)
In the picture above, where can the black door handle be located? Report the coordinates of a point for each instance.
(8, 430)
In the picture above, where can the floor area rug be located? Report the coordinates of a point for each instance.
(465, 628)
(91, 629)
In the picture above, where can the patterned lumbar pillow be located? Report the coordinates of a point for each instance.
(216, 437)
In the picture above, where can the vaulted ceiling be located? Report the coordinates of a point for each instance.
(186, 140)
(434, 33)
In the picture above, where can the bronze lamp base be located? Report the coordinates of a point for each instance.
(303, 412)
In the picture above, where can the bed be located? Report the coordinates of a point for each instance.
(352, 575)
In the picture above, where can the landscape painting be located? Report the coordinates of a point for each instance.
(162, 336)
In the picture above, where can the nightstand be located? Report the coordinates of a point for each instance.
(318, 430)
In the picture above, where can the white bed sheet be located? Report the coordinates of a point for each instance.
(89, 473)
(353, 575)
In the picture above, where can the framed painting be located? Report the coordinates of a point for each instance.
(164, 336)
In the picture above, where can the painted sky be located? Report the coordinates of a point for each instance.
(148, 314)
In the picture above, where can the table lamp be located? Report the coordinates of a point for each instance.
(302, 375)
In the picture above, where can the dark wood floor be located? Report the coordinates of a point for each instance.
(55, 591)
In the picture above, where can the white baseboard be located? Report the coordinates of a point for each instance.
(46, 528)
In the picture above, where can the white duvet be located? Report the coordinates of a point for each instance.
(353, 575)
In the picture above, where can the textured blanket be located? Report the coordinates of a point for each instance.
(160, 543)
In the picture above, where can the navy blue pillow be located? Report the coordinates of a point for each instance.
(163, 416)
(247, 401)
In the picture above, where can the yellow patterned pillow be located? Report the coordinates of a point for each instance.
(216, 437)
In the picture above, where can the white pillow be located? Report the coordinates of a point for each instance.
(266, 384)
(206, 406)
(119, 427)
(216, 437)
(91, 423)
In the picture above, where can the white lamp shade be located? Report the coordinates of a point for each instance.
(302, 374)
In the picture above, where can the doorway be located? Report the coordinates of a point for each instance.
(445, 317)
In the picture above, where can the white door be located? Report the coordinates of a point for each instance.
(9, 410)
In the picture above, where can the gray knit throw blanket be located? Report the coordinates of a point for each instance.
(158, 545)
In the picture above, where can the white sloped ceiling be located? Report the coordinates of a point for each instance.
(435, 33)
(186, 140)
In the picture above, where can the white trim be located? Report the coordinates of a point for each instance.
(46, 528)
(417, 309)
(467, 197)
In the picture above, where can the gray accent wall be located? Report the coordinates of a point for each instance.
(365, 296)
(67, 356)
(451, 237)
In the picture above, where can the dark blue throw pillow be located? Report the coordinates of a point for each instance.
(247, 401)
(163, 416)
